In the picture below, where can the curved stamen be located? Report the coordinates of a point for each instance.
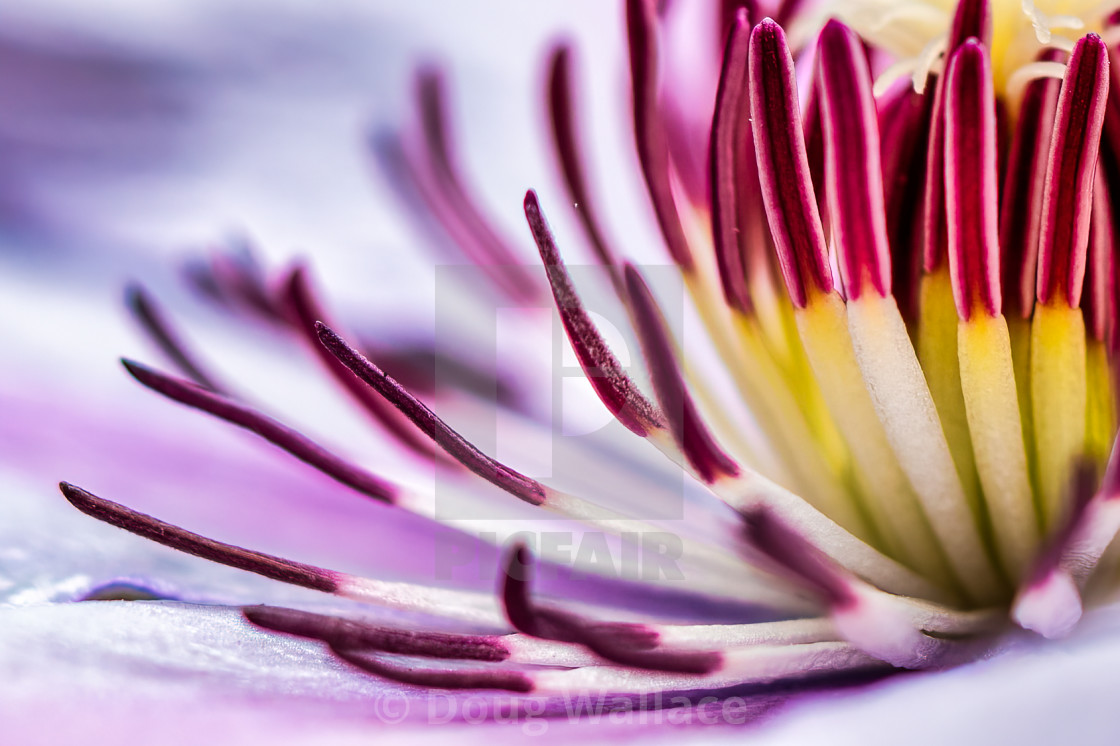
(491, 250)
(616, 389)
(276, 568)
(452, 604)
(351, 634)
(689, 430)
(723, 164)
(307, 310)
(435, 678)
(634, 645)
(562, 117)
(649, 130)
(500, 475)
(156, 324)
(873, 621)
(274, 432)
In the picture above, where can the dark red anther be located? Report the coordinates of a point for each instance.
(783, 166)
(649, 130)
(971, 191)
(795, 556)
(1068, 199)
(853, 175)
(276, 568)
(729, 129)
(454, 444)
(436, 678)
(280, 435)
(972, 20)
(615, 388)
(689, 431)
(1023, 189)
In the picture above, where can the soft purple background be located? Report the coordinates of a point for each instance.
(132, 133)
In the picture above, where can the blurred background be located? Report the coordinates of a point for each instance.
(137, 138)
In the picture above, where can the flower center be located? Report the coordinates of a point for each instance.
(914, 33)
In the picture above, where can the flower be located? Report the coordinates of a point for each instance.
(931, 471)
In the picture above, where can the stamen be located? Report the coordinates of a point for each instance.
(1100, 278)
(970, 176)
(1058, 346)
(351, 635)
(803, 562)
(972, 19)
(1050, 602)
(689, 430)
(1067, 206)
(280, 435)
(452, 604)
(455, 445)
(562, 116)
(724, 162)
(649, 130)
(867, 618)
(987, 373)
(787, 186)
(1092, 535)
(495, 472)
(276, 568)
(306, 310)
(1100, 314)
(751, 492)
(615, 388)
(234, 279)
(634, 645)
(904, 125)
(758, 665)
(155, 323)
(1023, 189)
(493, 251)
(853, 173)
(434, 678)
